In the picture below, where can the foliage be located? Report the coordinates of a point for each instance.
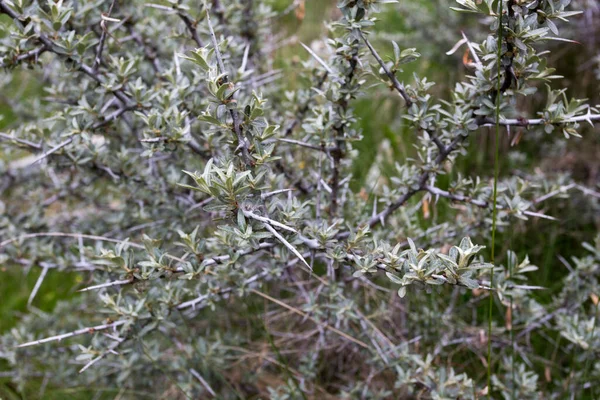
(207, 204)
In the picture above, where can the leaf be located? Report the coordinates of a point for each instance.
(402, 292)
(394, 278)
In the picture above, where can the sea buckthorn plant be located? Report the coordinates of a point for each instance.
(202, 200)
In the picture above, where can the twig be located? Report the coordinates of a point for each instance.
(37, 286)
(286, 244)
(192, 303)
(203, 382)
(274, 193)
(479, 203)
(192, 27)
(319, 60)
(110, 350)
(242, 142)
(82, 331)
(52, 150)
(33, 53)
(304, 144)
(397, 85)
(108, 284)
(84, 236)
(540, 121)
(22, 141)
(103, 35)
(381, 216)
(306, 316)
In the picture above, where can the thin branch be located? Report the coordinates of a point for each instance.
(82, 331)
(540, 121)
(305, 108)
(207, 263)
(306, 316)
(242, 142)
(456, 197)
(193, 303)
(380, 217)
(22, 141)
(110, 350)
(52, 150)
(479, 203)
(84, 236)
(286, 244)
(192, 27)
(274, 193)
(30, 54)
(397, 85)
(307, 145)
(560, 190)
(108, 284)
(38, 284)
(269, 221)
(203, 382)
(103, 35)
(319, 60)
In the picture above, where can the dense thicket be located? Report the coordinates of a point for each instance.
(231, 234)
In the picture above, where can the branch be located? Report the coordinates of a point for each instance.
(306, 316)
(540, 121)
(307, 145)
(33, 53)
(49, 152)
(397, 85)
(103, 35)
(22, 141)
(305, 108)
(242, 143)
(192, 27)
(479, 203)
(82, 331)
(380, 218)
(203, 382)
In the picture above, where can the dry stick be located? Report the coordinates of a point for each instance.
(306, 316)
(242, 143)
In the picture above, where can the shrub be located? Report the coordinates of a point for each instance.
(206, 201)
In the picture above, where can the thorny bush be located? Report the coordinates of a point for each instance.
(205, 199)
